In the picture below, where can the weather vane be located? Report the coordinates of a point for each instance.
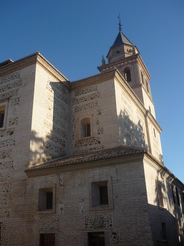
(119, 23)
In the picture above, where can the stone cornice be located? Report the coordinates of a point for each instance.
(31, 60)
(96, 79)
(113, 156)
(116, 64)
(48, 66)
(19, 64)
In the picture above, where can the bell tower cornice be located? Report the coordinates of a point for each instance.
(128, 60)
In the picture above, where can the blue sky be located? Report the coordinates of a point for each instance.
(73, 36)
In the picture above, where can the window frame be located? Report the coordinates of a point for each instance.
(45, 199)
(98, 239)
(50, 240)
(94, 198)
(97, 196)
(85, 127)
(127, 74)
(4, 106)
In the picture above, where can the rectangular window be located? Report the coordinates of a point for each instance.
(96, 239)
(85, 128)
(2, 115)
(47, 239)
(49, 200)
(172, 188)
(147, 86)
(160, 195)
(127, 74)
(177, 196)
(100, 193)
(164, 233)
(154, 132)
(103, 195)
(45, 199)
(142, 78)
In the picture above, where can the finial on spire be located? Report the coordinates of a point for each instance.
(119, 23)
(103, 61)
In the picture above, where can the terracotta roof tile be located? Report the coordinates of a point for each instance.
(89, 157)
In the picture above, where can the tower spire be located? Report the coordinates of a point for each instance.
(119, 23)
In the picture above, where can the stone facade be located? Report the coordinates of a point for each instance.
(81, 163)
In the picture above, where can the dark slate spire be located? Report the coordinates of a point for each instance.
(121, 38)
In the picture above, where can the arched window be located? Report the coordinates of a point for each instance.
(85, 128)
(127, 74)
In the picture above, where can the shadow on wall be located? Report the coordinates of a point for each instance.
(169, 212)
(36, 149)
(130, 133)
(53, 143)
(164, 227)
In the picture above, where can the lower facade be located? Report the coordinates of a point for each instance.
(96, 203)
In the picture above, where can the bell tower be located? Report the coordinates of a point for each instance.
(124, 56)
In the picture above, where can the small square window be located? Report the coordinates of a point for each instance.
(47, 239)
(96, 238)
(100, 193)
(45, 199)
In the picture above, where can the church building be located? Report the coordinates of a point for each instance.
(81, 162)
